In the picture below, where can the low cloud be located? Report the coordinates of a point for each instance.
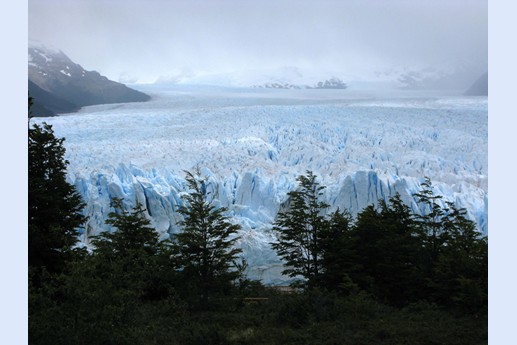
(142, 40)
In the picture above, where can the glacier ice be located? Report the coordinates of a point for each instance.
(251, 144)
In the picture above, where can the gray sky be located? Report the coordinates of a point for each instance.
(141, 40)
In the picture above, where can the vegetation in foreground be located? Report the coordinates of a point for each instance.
(387, 277)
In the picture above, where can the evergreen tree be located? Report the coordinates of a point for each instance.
(121, 293)
(301, 230)
(456, 254)
(54, 212)
(30, 103)
(339, 257)
(133, 233)
(388, 244)
(461, 270)
(431, 219)
(133, 253)
(205, 248)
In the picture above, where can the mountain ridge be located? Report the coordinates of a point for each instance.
(59, 85)
(479, 87)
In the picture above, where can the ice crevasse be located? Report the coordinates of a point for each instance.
(252, 145)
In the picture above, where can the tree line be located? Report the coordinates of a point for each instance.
(389, 252)
(378, 271)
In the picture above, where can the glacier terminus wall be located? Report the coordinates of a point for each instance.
(251, 144)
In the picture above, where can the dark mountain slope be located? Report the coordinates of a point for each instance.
(48, 104)
(68, 86)
(480, 87)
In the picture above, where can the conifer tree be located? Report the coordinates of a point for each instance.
(122, 292)
(133, 232)
(301, 230)
(461, 270)
(133, 254)
(205, 248)
(457, 254)
(54, 212)
(339, 257)
(388, 246)
(431, 219)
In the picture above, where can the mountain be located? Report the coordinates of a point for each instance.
(286, 77)
(480, 87)
(277, 86)
(452, 77)
(447, 75)
(48, 104)
(59, 85)
(332, 83)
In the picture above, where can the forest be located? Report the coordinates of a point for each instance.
(386, 276)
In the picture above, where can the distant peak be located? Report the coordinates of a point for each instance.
(35, 44)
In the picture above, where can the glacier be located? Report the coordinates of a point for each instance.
(251, 144)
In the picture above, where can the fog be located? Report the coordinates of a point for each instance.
(140, 41)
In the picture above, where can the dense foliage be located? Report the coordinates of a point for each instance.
(396, 256)
(54, 212)
(119, 293)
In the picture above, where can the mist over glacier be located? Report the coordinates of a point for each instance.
(251, 144)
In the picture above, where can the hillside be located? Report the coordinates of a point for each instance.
(480, 87)
(59, 85)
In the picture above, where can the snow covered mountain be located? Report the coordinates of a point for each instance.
(287, 77)
(59, 85)
(451, 76)
(445, 76)
(251, 144)
(332, 83)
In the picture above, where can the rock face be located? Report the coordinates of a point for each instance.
(59, 85)
(480, 87)
(48, 104)
(332, 83)
(453, 76)
(277, 86)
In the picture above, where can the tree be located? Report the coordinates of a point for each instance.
(122, 292)
(457, 254)
(339, 257)
(132, 259)
(134, 253)
(461, 269)
(31, 102)
(54, 205)
(133, 234)
(431, 219)
(205, 248)
(300, 231)
(388, 246)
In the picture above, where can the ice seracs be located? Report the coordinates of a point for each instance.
(251, 144)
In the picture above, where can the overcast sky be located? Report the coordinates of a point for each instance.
(140, 40)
